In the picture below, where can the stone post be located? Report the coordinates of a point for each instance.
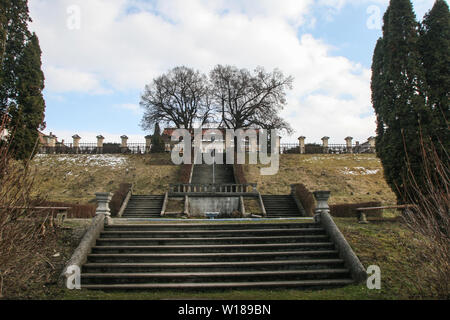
(322, 204)
(103, 199)
(124, 144)
(148, 143)
(371, 141)
(301, 144)
(325, 144)
(100, 140)
(348, 142)
(76, 143)
(51, 143)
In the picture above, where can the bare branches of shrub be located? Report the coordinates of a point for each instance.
(20, 231)
(429, 219)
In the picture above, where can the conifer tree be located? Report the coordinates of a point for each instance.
(435, 52)
(157, 141)
(398, 94)
(14, 19)
(27, 116)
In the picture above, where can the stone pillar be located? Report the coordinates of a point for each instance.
(76, 143)
(325, 144)
(100, 140)
(348, 142)
(148, 143)
(103, 199)
(124, 144)
(322, 204)
(51, 143)
(301, 144)
(371, 141)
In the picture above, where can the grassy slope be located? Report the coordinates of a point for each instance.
(76, 178)
(350, 178)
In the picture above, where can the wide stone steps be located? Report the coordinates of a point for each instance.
(210, 233)
(211, 240)
(305, 284)
(214, 266)
(214, 256)
(133, 278)
(213, 248)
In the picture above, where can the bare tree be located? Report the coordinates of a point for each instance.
(181, 97)
(248, 99)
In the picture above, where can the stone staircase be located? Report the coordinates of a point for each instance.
(144, 206)
(214, 256)
(203, 173)
(281, 206)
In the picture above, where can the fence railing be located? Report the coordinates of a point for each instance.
(142, 148)
(210, 188)
(293, 148)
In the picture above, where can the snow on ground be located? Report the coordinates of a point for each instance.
(102, 160)
(359, 171)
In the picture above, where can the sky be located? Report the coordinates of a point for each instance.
(98, 55)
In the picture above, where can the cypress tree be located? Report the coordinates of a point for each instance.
(398, 94)
(27, 116)
(435, 51)
(14, 19)
(157, 141)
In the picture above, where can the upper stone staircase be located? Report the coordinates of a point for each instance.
(203, 173)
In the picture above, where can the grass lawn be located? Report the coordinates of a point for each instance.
(76, 178)
(386, 244)
(349, 177)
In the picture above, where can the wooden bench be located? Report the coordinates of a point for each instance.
(362, 212)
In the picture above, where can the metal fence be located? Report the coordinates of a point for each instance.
(141, 148)
(293, 148)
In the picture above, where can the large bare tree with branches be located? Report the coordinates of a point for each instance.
(181, 97)
(245, 99)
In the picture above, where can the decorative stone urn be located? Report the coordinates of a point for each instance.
(322, 203)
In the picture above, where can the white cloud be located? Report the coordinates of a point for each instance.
(71, 80)
(117, 51)
(134, 108)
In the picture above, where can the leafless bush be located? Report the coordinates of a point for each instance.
(429, 219)
(21, 229)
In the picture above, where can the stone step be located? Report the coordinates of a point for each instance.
(193, 277)
(206, 257)
(214, 248)
(214, 266)
(213, 240)
(305, 284)
(210, 226)
(210, 233)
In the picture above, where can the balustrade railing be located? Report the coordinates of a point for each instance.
(200, 188)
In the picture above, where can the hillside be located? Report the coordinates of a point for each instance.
(349, 177)
(76, 178)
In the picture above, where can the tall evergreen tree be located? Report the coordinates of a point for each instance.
(14, 19)
(435, 51)
(27, 116)
(157, 141)
(398, 94)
